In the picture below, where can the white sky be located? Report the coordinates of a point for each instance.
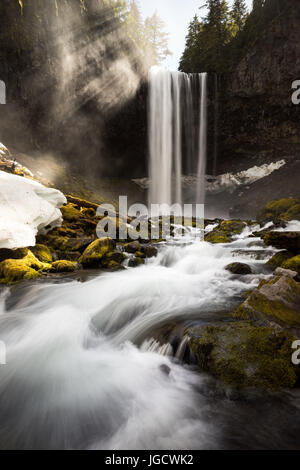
(177, 15)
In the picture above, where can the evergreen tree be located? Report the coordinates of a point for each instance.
(239, 13)
(156, 40)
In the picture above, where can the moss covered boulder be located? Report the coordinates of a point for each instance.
(64, 266)
(43, 253)
(289, 241)
(70, 212)
(242, 355)
(96, 251)
(279, 258)
(225, 232)
(239, 268)
(135, 262)
(276, 301)
(28, 267)
(280, 211)
(293, 264)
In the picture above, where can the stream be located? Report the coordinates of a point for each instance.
(85, 372)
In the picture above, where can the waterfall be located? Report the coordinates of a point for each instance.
(177, 134)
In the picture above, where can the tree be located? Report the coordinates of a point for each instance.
(239, 13)
(156, 40)
(189, 57)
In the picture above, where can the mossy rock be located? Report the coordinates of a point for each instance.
(64, 266)
(293, 264)
(132, 247)
(70, 213)
(93, 254)
(135, 262)
(217, 237)
(289, 241)
(282, 210)
(149, 251)
(15, 270)
(225, 231)
(279, 258)
(43, 253)
(239, 268)
(115, 256)
(245, 356)
(277, 300)
(6, 253)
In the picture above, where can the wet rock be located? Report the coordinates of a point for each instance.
(280, 211)
(165, 369)
(64, 266)
(225, 231)
(293, 264)
(134, 262)
(149, 251)
(283, 240)
(239, 268)
(286, 273)
(279, 258)
(28, 267)
(243, 355)
(94, 253)
(132, 247)
(70, 213)
(43, 253)
(277, 300)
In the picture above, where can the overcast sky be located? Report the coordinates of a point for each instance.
(176, 14)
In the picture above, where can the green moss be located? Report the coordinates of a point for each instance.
(293, 264)
(277, 300)
(29, 267)
(217, 237)
(243, 355)
(70, 213)
(279, 258)
(232, 226)
(280, 210)
(94, 253)
(135, 262)
(43, 253)
(64, 266)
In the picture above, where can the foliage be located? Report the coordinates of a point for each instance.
(217, 42)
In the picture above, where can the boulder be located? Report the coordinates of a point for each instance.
(243, 355)
(149, 251)
(286, 272)
(283, 240)
(279, 258)
(293, 264)
(43, 253)
(239, 268)
(28, 267)
(64, 266)
(134, 262)
(277, 301)
(225, 231)
(282, 210)
(95, 252)
(132, 247)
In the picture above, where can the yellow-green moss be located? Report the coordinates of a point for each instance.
(43, 253)
(279, 258)
(70, 213)
(94, 253)
(293, 264)
(280, 210)
(243, 355)
(64, 266)
(29, 267)
(217, 237)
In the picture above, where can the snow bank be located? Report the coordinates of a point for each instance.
(228, 181)
(26, 209)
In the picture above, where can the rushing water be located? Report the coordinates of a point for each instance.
(177, 133)
(84, 370)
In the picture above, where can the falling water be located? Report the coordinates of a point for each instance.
(177, 133)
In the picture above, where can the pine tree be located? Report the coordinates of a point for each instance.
(156, 39)
(239, 13)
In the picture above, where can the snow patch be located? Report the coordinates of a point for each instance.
(26, 209)
(228, 181)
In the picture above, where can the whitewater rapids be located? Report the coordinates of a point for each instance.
(77, 376)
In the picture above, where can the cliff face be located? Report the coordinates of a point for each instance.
(73, 81)
(258, 121)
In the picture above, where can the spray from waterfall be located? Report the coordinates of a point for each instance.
(177, 134)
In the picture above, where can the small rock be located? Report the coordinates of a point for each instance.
(134, 262)
(150, 251)
(132, 247)
(239, 268)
